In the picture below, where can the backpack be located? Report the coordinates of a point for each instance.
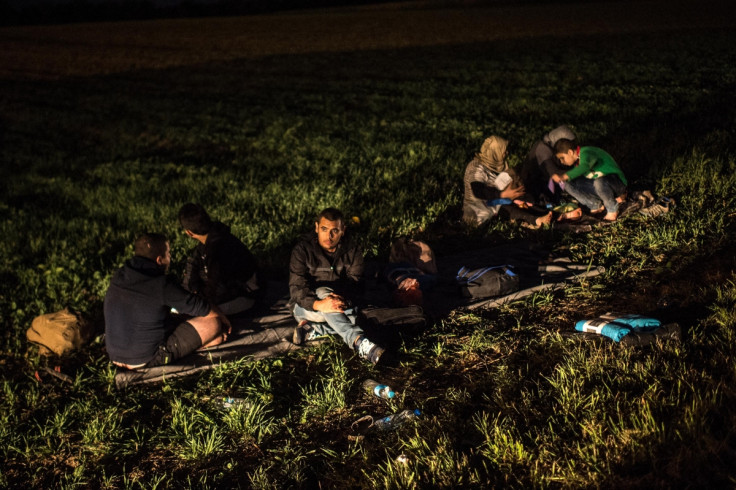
(487, 282)
(386, 326)
(59, 333)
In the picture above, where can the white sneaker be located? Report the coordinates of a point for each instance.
(369, 351)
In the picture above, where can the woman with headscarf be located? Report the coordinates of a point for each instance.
(491, 188)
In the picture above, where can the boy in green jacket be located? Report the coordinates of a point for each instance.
(596, 182)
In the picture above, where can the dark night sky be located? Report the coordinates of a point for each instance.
(19, 12)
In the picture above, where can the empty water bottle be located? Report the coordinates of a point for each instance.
(395, 420)
(230, 402)
(378, 389)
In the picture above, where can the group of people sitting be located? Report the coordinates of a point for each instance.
(152, 319)
(555, 164)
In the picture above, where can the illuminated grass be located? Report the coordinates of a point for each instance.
(508, 398)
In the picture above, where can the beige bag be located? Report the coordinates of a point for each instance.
(59, 333)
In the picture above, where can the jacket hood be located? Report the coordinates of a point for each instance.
(557, 134)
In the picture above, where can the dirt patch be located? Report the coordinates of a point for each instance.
(53, 52)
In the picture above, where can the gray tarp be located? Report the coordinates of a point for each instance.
(268, 334)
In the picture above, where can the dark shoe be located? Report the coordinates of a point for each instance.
(369, 351)
(301, 332)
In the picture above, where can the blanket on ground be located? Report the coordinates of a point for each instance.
(667, 332)
(268, 333)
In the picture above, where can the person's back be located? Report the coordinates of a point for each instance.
(136, 305)
(139, 330)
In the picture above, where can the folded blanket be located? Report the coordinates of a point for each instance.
(616, 326)
(638, 323)
(612, 330)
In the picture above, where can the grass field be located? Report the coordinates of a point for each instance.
(108, 129)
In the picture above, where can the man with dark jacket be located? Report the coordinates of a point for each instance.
(139, 328)
(541, 164)
(325, 277)
(221, 267)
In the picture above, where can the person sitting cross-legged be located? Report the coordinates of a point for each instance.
(140, 330)
(325, 279)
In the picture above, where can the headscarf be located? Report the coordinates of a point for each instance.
(492, 153)
(558, 133)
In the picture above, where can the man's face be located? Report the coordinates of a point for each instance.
(164, 260)
(568, 159)
(329, 233)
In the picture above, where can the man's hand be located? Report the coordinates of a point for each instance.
(332, 303)
(408, 283)
(559, 178)
(512, 193)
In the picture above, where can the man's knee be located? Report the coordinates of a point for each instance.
(183, 341)
(208, 328)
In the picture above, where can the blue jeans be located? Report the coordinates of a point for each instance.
(342, 324)
(591, 193)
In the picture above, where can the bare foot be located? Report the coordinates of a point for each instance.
(597, 211)
(611, 216)
(573, 215)
(621, 198)
(544, 220)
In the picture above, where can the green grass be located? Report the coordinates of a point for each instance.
(507, 399)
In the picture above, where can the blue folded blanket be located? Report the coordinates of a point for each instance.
(616, 326)
(638, 323)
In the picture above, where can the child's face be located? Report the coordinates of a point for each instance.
(568, 159)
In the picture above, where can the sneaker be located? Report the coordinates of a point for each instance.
(369, 351)
(660, 207)
(302, 332)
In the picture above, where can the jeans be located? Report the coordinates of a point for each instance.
(591, 193)
(342, 324)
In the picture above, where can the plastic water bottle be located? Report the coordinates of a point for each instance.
(378, 389)
(395, 420)
(230, 402)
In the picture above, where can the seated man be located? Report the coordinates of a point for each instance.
(325, 275)
(139, 329)
(541, 164)
(221, 268)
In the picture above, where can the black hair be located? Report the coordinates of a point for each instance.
(331, 214)
(194, 218)
(405, 250)
(151, 245)
(564, 145)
